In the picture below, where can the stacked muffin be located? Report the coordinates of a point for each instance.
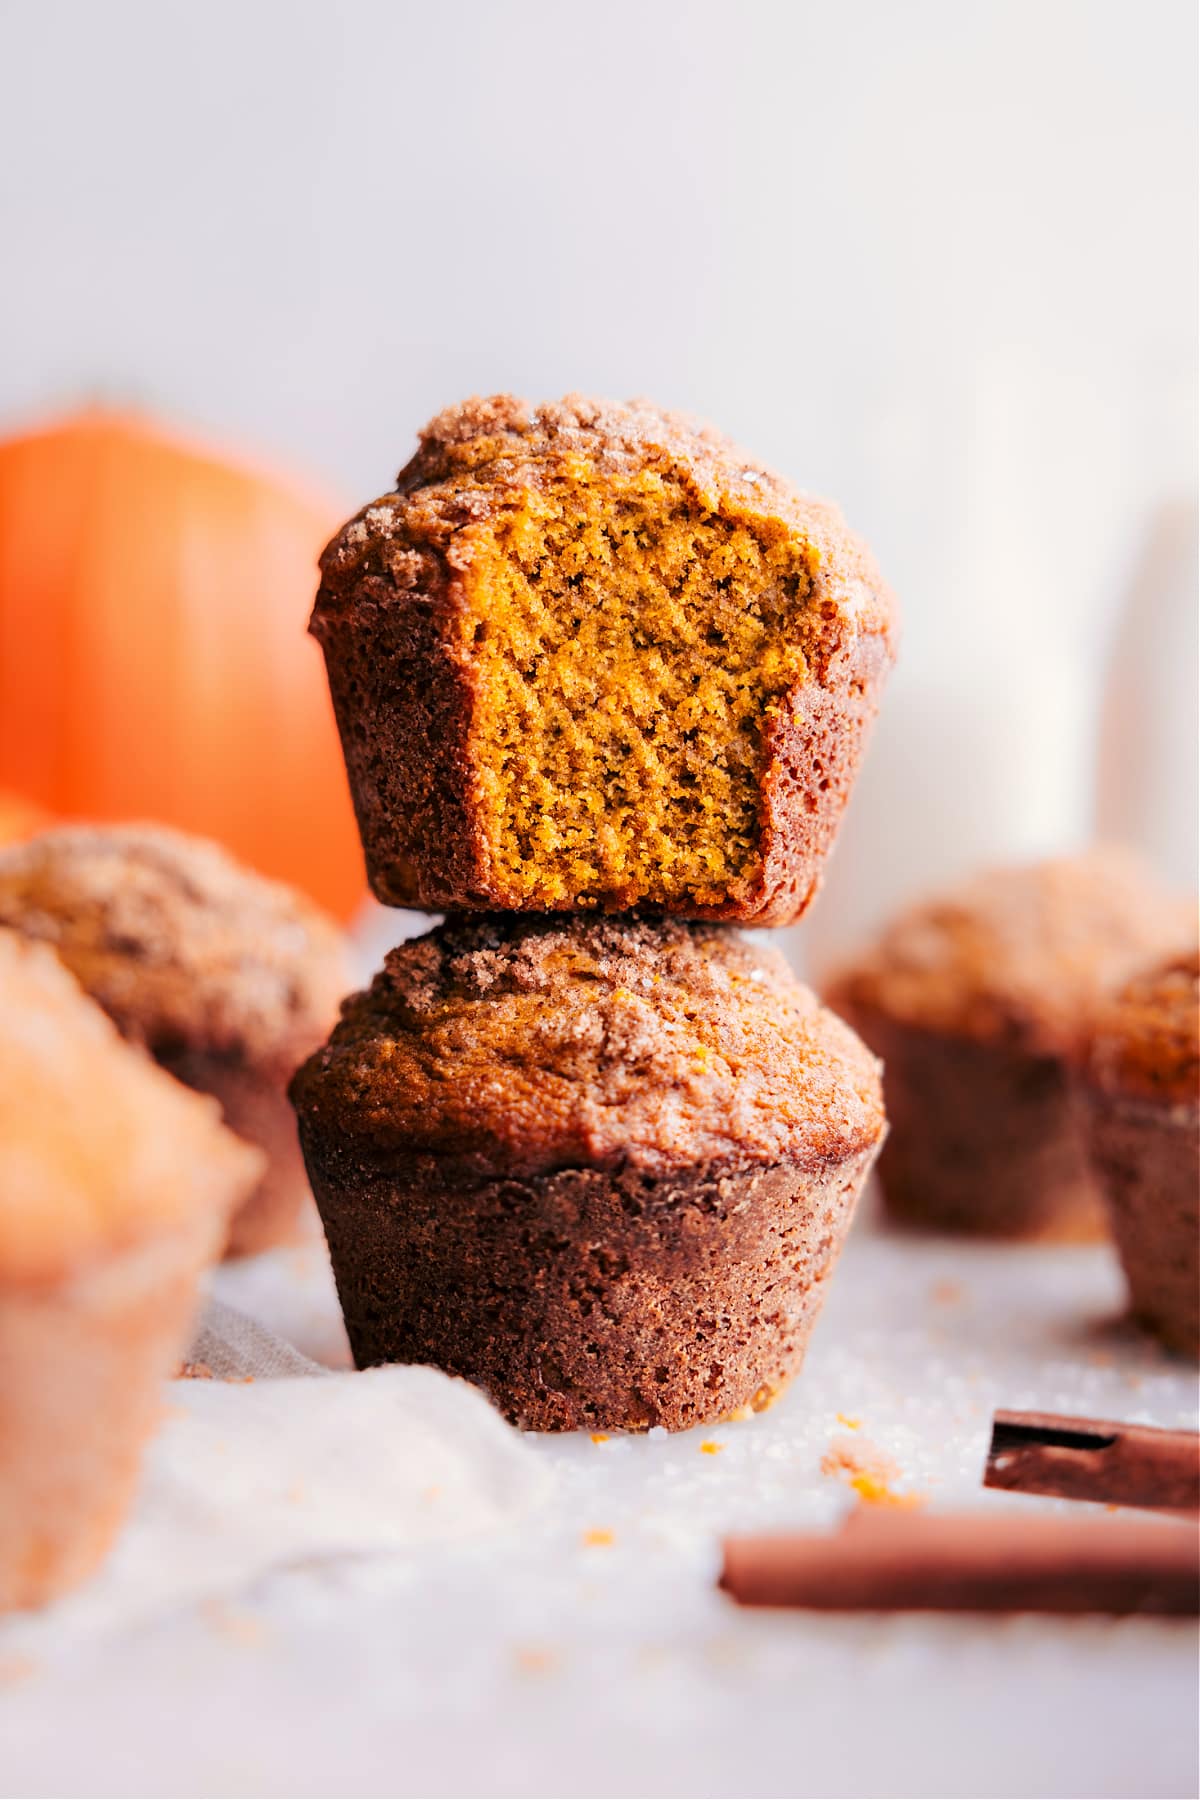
(599, 677)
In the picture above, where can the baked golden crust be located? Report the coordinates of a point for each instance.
(182, 946)
(1147, 1036)
(1017, 956)
(478, 456)
(99, 1150)
(590, 656)
(519, 1044)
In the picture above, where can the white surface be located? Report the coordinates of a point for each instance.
(543, 1665)
(253, 1473)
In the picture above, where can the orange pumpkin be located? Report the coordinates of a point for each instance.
(154, 662)
(19, 818)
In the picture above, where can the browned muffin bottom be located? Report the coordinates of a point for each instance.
(595, 657)
(228, 979)
(983, 1139)
(1142, 1094)
(601, 1168)
(979, 1003)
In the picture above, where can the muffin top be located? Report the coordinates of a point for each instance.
(181, 946)
(1147, 1038)
(1018, 955)
(99, 1149)
(522, 1045)
(484, 456)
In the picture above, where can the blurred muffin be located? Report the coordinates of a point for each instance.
(116, 1187)
(229, 980)
(602, 1169)
(1142, 1092)
(593, 657)
(980, 1003)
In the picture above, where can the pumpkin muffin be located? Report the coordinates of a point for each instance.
(980, 1003)
(1142, 1092)
(229, 980)
(603, 1169)
(592, 657)
(116, 1187)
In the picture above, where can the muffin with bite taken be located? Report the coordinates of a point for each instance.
(603, 1169)
(980, 1003)
(594, 657)
(228, 979)
(1142, 1108)
(116, 1190)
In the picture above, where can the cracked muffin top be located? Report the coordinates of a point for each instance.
(1019, 955)
(484, 455)
(1147, 1039)
(181, 945)
(519, 1045)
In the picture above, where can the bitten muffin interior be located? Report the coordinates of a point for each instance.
(631, 650)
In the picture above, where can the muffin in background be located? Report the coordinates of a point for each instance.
(980, 1004)
(1142, 1108)
(594, 657)
(603, 1169)
(228, 979)
(116, 1188)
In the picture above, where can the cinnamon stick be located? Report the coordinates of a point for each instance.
(1094, 1459)
(982, 1562)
